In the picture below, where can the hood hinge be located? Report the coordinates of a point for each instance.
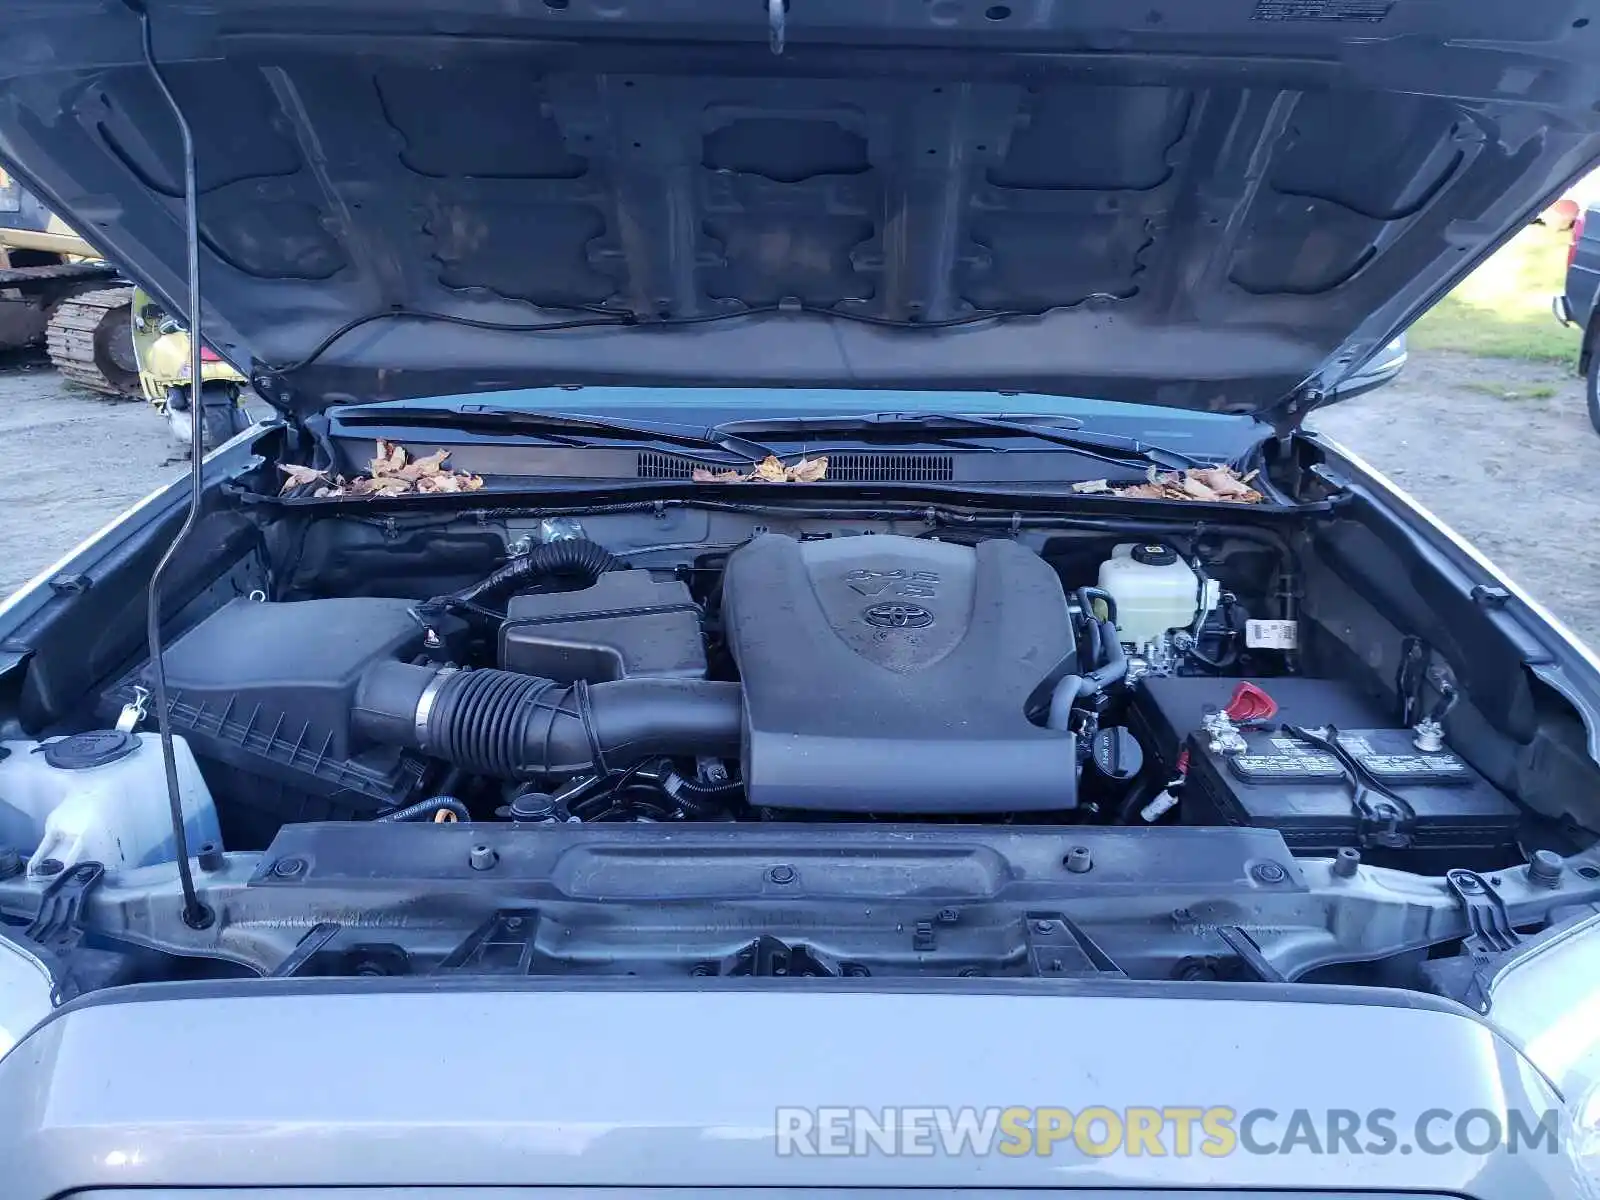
(1286, 418)
(275, 391)
(283, 397)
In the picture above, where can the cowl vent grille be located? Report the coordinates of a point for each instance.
(892, 467)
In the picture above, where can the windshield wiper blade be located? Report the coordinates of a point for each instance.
(729, 437)
(1103, 447)
(573, 429)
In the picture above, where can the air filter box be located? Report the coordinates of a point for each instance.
(263, 694)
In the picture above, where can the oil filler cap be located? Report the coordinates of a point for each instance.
(1154, 554)
(80, 751)
(1116, 753)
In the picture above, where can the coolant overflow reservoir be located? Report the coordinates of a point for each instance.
(1155, 590)
(100, 797)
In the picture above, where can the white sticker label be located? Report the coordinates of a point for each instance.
(1272, 635)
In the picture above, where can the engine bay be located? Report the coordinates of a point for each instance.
(824, 675)
(905, 743)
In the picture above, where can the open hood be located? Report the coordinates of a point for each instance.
(1218, 204)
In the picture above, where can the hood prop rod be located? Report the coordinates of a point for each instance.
(195, 913)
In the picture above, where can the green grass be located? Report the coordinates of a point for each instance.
(1502, 310)
(1508, 391)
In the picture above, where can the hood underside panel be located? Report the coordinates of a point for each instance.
(1206, 206)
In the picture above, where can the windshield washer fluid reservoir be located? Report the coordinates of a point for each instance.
(100, 797)
(1155, 590)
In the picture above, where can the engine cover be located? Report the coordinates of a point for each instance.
(890, 674)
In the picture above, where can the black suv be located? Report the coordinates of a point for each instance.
(1576, 305)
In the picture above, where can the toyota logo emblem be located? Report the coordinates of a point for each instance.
(898, 616)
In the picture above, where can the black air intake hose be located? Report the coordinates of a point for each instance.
(573, 557)
(511, 726)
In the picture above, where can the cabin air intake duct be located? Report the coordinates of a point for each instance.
(511, 726)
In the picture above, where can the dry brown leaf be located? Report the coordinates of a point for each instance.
(393, 474)
(389, 459)
(300, 476)
(427, 465)
(1212, 484)
(382, 486)
(808, 470)
(771, 470)
(456, 482)
(1220, 480)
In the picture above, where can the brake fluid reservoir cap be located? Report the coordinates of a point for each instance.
(1153, 554)
(80, 751)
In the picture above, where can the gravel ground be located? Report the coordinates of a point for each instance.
(1503, 453)
(72, 461)
(1467, 437)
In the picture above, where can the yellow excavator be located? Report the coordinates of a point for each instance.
(101, 332)
(55, 289)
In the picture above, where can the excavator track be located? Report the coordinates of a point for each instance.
(26, 278)
(90, 341)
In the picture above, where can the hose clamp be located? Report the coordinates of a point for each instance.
(425, 702)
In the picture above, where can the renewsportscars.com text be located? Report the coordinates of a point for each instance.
(1158, 1131)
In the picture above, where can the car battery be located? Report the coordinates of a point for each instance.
(1278, 781)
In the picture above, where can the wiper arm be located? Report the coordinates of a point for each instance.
(1103, 447)
(1112, 448)
(573, 429)
(576, 429)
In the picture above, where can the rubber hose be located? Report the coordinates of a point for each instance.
(426, 808)
(1115, 667)
(1062, 699)
(1088, 595)
(1093, 649)
(572, 557)
(1074, 687)
(511, 726)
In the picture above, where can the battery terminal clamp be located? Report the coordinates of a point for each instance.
(1381, 819)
